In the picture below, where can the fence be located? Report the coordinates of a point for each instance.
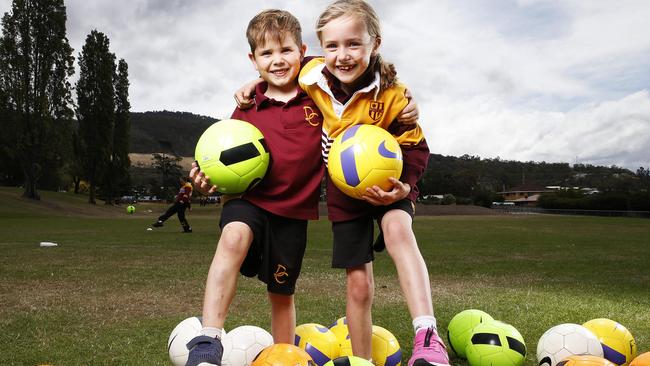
(525, 210)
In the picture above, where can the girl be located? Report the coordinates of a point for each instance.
(351, 84)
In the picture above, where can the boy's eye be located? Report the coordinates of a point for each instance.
(330, 46)
(265, 53)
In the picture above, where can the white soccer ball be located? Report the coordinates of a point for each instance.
(243, 344)
(183, 333)
(564, 340)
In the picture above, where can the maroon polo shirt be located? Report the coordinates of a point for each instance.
(292, 131)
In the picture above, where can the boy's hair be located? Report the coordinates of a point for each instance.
(272, 23)
(362, 11)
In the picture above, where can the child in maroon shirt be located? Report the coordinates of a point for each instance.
(264, 232)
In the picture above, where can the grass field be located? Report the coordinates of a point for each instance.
(111, 292)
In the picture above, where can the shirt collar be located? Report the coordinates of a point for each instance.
(261, 100)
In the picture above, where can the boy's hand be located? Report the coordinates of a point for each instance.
(378, 197)
(245, 95)
(200, 181)
(410, 113)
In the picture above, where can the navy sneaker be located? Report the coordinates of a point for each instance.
(204, 349)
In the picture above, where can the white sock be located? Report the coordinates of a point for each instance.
(211, 332)
(423, 322)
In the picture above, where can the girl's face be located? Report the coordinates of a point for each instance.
(348, 47)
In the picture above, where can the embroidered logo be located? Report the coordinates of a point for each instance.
(310, 115)
(280, 273)
(376, 110)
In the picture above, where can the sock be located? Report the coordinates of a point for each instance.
(423, 322)
(212, 332)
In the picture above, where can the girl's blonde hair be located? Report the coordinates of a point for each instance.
(365, 13)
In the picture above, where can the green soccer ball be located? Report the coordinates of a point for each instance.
(130, 209)
(349, 361)
(233, 154)
(461, 326)
(495, 343)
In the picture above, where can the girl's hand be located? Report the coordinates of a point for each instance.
(245, 95)
(200, 181)
(410, 113)
(378, 197)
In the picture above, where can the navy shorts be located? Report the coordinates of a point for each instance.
(353, 239)
(275, 255)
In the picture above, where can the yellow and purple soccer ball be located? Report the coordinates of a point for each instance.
(233, 154)
(385, 347)
(364, 156)
(619, 346)
(318, 341)
(340, 330)
(349, 361)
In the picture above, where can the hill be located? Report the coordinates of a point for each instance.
(165, 131)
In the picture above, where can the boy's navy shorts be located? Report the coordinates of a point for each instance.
(278, 246)
(353, 239)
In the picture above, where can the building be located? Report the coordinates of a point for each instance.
(525, 194)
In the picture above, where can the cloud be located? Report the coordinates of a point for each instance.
(520, 79)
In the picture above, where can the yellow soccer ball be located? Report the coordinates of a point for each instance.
(364, 156)
(340, 330)
(385, 348)
(318, 341)
(618, 343)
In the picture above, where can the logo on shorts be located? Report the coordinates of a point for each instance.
(281, 274)
(376, 110)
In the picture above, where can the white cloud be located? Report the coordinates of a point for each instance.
(519, 79)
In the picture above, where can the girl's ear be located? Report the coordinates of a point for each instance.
(375, 47)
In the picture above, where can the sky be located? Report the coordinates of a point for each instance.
(529, 80)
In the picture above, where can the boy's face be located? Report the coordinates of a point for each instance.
(348, 47)
(278, 62)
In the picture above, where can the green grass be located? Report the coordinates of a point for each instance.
(111, 292)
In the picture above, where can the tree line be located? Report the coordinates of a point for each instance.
(47, 137)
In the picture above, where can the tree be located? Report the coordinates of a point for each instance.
(35, 99)
(117, 177)
(169, 170)
(96, 109)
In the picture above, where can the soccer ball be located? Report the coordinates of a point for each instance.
(130, 209)
(585, 360)
(340, 330)
(180, 336)
(318, 341)
(282, 354)
(364, 156)
(349, 361)
(495, 343)
(564, 340)
(460, 328)
(642, 360)
(233, 154)
(618, 343)
(385, 348)
(242, 344)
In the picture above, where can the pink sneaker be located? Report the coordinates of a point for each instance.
(428, 349)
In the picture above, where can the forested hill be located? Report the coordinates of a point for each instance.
(175, 132)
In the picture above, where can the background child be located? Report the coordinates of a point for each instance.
(349, 83)
(264, 232)
(181, 203)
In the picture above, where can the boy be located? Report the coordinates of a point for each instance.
(264, 231)
(181, 203)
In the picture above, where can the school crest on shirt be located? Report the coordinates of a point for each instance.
(376, 110)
